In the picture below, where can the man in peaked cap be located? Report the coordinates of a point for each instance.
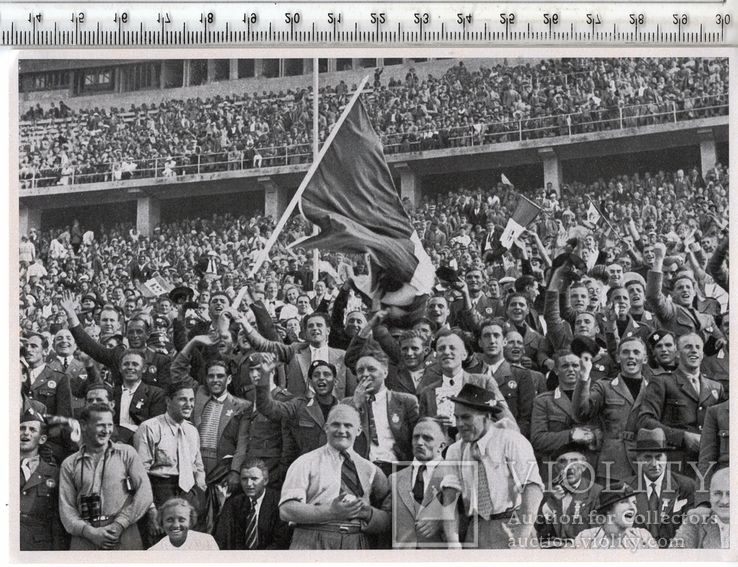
(40, 527)
(488, 459)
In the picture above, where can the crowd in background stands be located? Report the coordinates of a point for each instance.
(60, 146)
(452, 227)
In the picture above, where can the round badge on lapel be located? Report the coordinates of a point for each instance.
(488, 311)
(512, 384)
(50, 482)
(83, 376)
(600, 368)
(395, 418)
(152, 369)
(51, 384)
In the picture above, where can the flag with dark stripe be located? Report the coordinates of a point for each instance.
(353, 200)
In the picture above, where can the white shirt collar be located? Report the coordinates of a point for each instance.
(483, 441)
(132, 390)
(457, 378)
(221, 398)
(496, 366)
(659, 481)
(430, 466)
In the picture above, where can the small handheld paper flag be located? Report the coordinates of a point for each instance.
(525, 213)
(155, 287)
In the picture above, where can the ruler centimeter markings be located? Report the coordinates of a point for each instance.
(94, 24)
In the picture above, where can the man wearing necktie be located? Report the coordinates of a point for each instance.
(329, 493)
(417, 498)
(388, 417)
(677, 404)
(663, 497)
(169, 446)
(40, 528)
(250, 520)
(63, 360)
(570, 500)
(498, 474)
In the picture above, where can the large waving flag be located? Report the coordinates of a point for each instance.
(352, 199)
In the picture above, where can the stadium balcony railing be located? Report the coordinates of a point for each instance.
(486, 133)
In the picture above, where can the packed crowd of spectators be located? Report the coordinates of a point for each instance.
(267, 391)
(60, 146)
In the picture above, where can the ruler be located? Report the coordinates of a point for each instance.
(95, 24)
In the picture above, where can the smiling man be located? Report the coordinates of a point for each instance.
(222, 420)
(488, 459)
(169, 446)
(387, 417)
(678, 403)
(250, 520)
(328, 492)
(99, 510)
(298, 356)
(63, 360)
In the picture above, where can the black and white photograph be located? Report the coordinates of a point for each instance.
(371, 304)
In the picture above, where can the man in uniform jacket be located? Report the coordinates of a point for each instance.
(662, 497)
(677, 403)
(40, 526)
(62, 360)
(303, 416)
(44, 384)
(615, 403)
(677, 315)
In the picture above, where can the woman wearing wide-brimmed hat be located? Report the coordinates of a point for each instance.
(616, 512)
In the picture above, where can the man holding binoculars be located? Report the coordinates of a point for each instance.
(103, 487)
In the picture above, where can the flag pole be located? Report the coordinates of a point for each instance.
(301, 189)
(316, 146)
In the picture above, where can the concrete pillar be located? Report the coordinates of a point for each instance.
(258, 67)
(551, 169)
(409, 183)
(186, 73)
(211, 71)
(708, 151)
(332, 65)
(233, 69)
(275, 198)
(380, 61)
(148, 214)
(29, 218)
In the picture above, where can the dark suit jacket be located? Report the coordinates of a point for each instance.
(676, 498)
(714, 444)
(233, 426)
(516, 384)
(156, 365)
(52, 389)
(402, 414)
(147, 402)
(567, 524)
(230, 527)
(40, 526)
(302, 416)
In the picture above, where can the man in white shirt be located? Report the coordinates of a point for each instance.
(497, 470)
(387, 417)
